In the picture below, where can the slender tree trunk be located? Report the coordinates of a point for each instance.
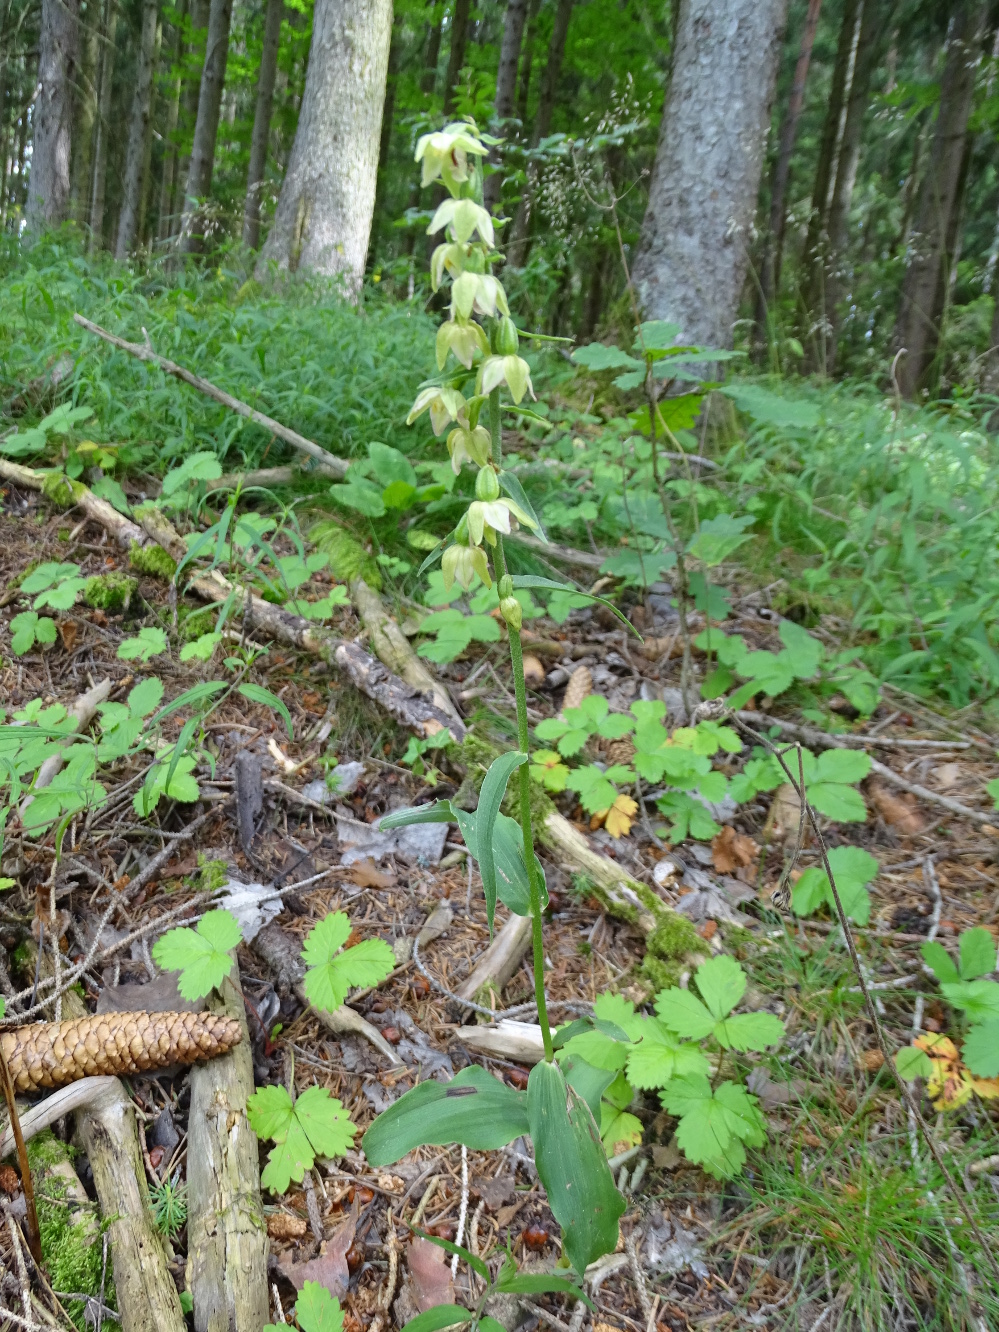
(520, 245)
(506, 87)
(524, 86)
(456, 54)
(5, 60)
(927, 278)
(51, 149)
(428, 80)
(168, 179)
(825, 167)
(262, 122)
(195, 62)
(102, 133)
(128, 221)
(86, 112)
(143, 232)
(774, 246)
(206, 128)
(692, 257)
(324, 212)
(873, 29)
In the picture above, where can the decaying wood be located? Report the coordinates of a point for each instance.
(226, 1231)
(144, 352)
(499, 962)
(67, 1100)
(81, 713)
(622, 892)
(273, 476)
(520, 1041)
(404, 702)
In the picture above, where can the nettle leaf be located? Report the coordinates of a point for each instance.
(149, 642)
(981, 1049)
(333, 973)
(853, 869)
(314, 1125)
(200, 955)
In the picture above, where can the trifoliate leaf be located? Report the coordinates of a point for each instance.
(749, 1031)
(333, 973)
(684, 1013)
(149, 642)
(981, 1049)
(714, 1126)
(314, 1125)
(721, 983)
(200, 955)
(661, 1056)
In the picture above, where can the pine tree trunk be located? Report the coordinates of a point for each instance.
(520, 245)
(128, 221)
(774, 246)
(58, 58)
(927, 278)
(873, 28)
(86, 112)
(692, 257)
(456, 54)
(262, 122)
(206, 128)
(323, 217)
(102, 133)
(506, 87)
(825, 172)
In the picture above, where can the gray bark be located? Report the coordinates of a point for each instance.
(262, 122)
(323, 218)
(456, 55)
(164, 226)
(927, 278)
(135, 157)
(102, 133)
(49, 182)
(86, 112)
(693, 254)
(206, 128)
(506, 85)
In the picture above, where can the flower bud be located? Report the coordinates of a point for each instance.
(512, 612)
(505, 586)
(461, 531)
(505, 338)
(487, 485)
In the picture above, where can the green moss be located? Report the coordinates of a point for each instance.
(192, 623)
(214, 874)
(73, 1257)
(110, 592)
(348, 558)
(674, 937)
(152, 560)
(62, 491)
(660, 975)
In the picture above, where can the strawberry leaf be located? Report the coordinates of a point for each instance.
(333, 973)
(200, 955)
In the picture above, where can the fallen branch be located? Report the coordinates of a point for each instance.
(81, 713)
(144, 352)
(809, 736)
(37, 1118)
(272, 476)
(227, 1242)
(519, 1041)
(406, 704)
(499, 963)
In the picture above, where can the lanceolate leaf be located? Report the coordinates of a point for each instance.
(490, 798)
(474, 1109)
(258, 694)
(573, 1167)
(532, 580)
(511, 484)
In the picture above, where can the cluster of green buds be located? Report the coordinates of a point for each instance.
(486, 355)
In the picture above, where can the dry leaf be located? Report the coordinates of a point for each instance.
(281, 1226)
(430, 1272)
(68, 631)
(896, 810)
(621, 816)
(785, 814)
(947, 775)
(363, 872)
(534, 672)
(871, 1060)
(731, 850)
(330, 1268)
(579, 686)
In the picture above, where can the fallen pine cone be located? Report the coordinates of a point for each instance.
(52, 1054)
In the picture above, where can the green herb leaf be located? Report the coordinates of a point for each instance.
(333, 973)
(200, 955)
(314, 1125)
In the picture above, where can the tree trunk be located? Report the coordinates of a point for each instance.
(506, 87)
(58, 57)
(524, 87)
(195, 60)
(168, 179)
(144, 232)
(428, 80)
(825, 167)
(206, 128)
(323, 217)
(520, 244)
(86, 112)
(262, 122)
(102, 134)
(927, 278)
(128, 222)
(774, 246)
(692, 257)
(456, 54)
(873, 28)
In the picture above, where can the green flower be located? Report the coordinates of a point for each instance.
(487, 517)
(465, 217)
(511, 370)
(466, 445)
(445, 405)
(445, 153)
(460, 564)
(464, 339)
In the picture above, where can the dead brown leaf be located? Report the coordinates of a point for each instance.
(534, 672)
(281, 1226)
(363, 872)
(430, 1272)
(69, 631)
(330, 1268)
(496, 1191)
(896, 810)
(731, 850)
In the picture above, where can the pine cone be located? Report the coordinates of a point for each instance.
(51, 1054)
(620, 751)
(579, 686)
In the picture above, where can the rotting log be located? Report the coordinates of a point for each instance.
(227, 1242)
(499, 963)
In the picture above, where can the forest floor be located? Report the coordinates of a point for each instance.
(829, 1225)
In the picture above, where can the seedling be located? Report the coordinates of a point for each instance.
(313, 1125)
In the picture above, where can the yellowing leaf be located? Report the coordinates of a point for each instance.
(621, 816)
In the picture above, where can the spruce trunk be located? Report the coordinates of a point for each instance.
(135, 158)
(506, 86)
(206, 128)
(58, 57)
(103, 132)
(323, 218)
(693, 254)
